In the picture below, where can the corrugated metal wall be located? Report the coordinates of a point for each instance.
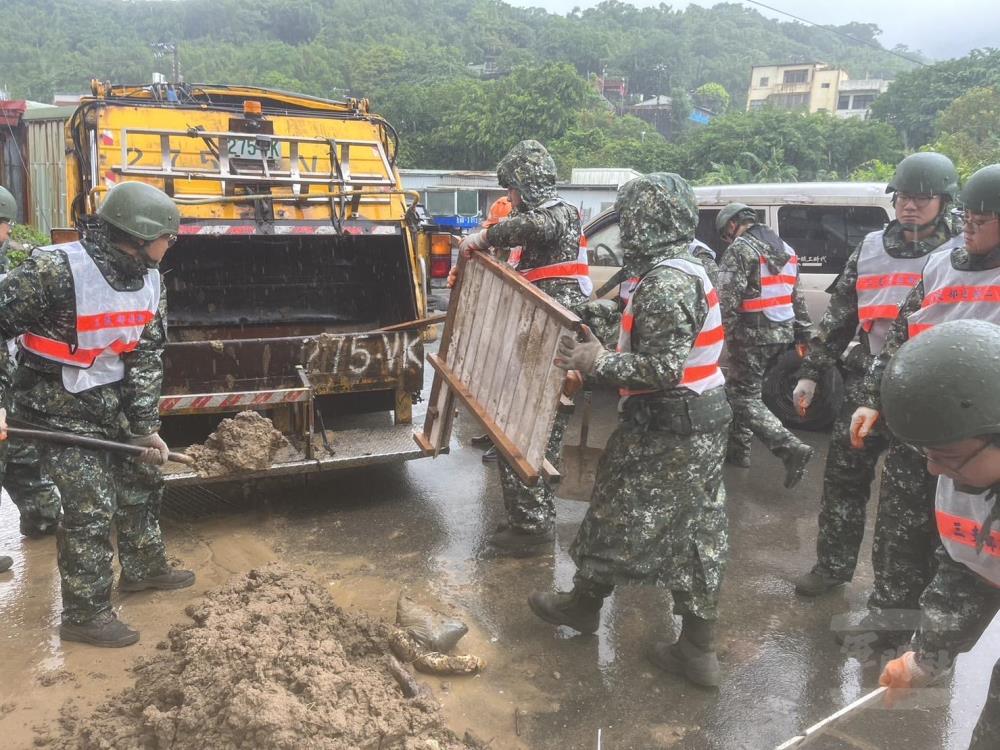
(47, 173)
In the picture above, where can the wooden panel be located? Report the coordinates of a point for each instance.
(496, 357)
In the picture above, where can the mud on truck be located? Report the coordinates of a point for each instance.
(297, 245)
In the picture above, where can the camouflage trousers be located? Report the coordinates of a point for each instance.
(847, 481)
(744, 382)
(905, 530)
(34, 494)
(99, 489)
(658, 516)
(532, 509)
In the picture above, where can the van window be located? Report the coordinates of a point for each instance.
(604, 246)
(706, 229)
(825, 236)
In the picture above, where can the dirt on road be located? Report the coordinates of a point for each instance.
(268, 661)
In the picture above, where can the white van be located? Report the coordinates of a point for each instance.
(823, 221)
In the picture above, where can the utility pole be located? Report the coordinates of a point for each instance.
(161, 49)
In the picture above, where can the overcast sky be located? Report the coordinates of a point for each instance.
(938, 28)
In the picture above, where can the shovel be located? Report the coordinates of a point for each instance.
(580, 461)
(68, 438)
(800, 740)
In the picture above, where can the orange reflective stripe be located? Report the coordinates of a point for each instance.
(917, 328)
(754, 305)
(950, 295)
(712, 297)
(865, 283)
(964, 531)
(628, 320)
(773, 280)
(710, 337)
(557, 271)
(701, 372)
(62, 351)
(873, 312)
(102, 321)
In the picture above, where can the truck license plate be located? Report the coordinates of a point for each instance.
(247, 148)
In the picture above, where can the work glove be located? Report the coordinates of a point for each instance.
(578, 355)
(904, 672)
(452, 276)
(3, 424)
(803, 394)
(156, 453)
(474, 241)
(862, 422)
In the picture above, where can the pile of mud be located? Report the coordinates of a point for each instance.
(247, 442)
(270, 662)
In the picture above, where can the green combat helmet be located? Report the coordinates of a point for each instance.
(8, 206)
(981, 193)
(942, 386)
(140, 210)
(926, 172)
(733, 211)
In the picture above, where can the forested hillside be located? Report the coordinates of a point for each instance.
(417, 61)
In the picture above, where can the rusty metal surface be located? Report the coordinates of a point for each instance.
(351, 447)
(335, 363)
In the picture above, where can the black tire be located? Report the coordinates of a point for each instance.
(779, 382)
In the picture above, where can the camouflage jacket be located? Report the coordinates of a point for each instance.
(548, 234)
(38, 296)
(962, 260)
(840, 321)
(707, 257)
(546, 227)
(739, 279)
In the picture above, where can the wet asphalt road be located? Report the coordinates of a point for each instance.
(421, 526)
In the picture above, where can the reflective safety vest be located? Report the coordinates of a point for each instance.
(775, 300)
(882, 286)
(697, 245)
(960, 516)
(578, 270)
(951, 294)
(701, 368)
(108, 324)
(628, 286)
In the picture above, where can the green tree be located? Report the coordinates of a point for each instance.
(916, 98)
(712, 96)
(967, 130)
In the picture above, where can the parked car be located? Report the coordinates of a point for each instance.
(823, 221)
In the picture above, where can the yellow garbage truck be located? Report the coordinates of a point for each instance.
(299, 262)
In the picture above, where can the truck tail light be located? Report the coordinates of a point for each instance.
(440, 255)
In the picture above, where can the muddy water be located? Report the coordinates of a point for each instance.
(368, 534)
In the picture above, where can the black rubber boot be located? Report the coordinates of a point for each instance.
(878, 631)
(516, 542)
(490, 455)
(693, 656)
(795, 459)
(577, 609)
(106, 632)
(172, 579)
(816, 582)
(34, 527)
(5, 563)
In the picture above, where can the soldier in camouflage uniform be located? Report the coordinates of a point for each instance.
(548, 230)
(941, 392)
(34, 494)
(864, 304)
(657, 515)
(91, 325)
(955, 284)
(758, 332)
